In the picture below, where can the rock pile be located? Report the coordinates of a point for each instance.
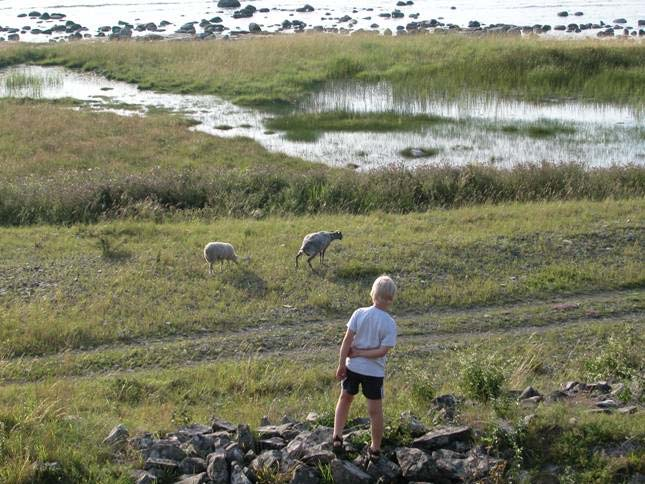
(223, 453)
(602, 397)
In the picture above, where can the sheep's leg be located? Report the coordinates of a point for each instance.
(297, 256)
(210, 268)
(322, 256)
(309, 261)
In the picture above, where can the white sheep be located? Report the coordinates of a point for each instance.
(219, 251)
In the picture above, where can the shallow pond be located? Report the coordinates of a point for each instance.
(478, 131)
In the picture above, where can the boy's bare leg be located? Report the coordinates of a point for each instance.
(375, 411)
(342, 411)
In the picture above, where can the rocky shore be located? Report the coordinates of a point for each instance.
(300, 452)
(56, 26)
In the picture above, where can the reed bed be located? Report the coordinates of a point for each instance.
(282, 69)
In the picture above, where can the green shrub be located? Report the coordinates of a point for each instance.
(481, 377)
(620, 358)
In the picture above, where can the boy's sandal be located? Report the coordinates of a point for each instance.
(337, 444)
(373, 455)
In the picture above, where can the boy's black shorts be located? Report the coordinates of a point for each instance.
(372, 386)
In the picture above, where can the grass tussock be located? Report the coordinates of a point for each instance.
(282, 69)
(538, 129)
(309, 126)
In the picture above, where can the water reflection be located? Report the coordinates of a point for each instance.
(602, 134)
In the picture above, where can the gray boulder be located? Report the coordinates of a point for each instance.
(303, 442)
(345, 472)
(238, 476)
(217, 468)
(228, 4)
(276, 443)
(304, 474)
(234, 453)
(198, 445)
(118, 437)
(456, 438)
(620, 21)
(164, 449)
(245, 438)
(306, 8)
(192, 465)
(451, 464)
(254, 28)
(384, 470)
(267, 459)
(142, 442)
(416, 465)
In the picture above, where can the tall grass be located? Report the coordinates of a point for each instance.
(66, 198)
(282, 69)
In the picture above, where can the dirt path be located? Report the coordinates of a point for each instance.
(419, 331)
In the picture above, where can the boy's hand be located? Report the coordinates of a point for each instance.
(341, 372)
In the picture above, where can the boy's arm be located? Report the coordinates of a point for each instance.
(371, 353)
(341, 371)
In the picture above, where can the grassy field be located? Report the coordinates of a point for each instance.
(83, 286)
(282, 69)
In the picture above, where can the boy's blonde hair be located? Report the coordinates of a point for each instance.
(383, 289)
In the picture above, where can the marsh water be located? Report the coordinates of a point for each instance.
(477, 131)
(96, 13)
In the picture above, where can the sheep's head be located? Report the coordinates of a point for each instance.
(337, 235)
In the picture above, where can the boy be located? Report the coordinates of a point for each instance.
(371, 332)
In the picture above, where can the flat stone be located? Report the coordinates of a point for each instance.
(444, 437)
(286, 431)
(276, 443)
(218, 424)
(201, 478)
(165, 465)
(529, 392)
(607, 404)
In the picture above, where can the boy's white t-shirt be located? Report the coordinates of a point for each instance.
(373, 328)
